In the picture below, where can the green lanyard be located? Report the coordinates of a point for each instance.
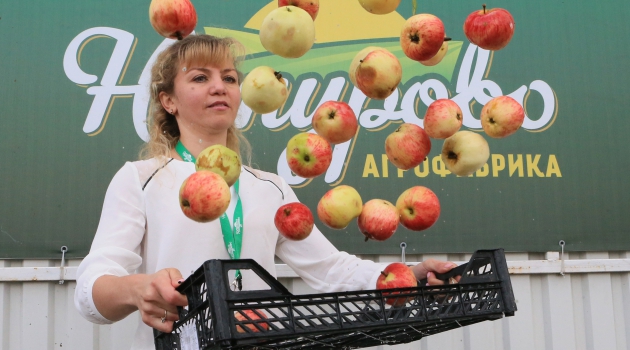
(233, 238)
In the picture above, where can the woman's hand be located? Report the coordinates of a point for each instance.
(157, 299)
(429, 267)
(153, 295)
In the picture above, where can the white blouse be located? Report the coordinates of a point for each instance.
(142, 230)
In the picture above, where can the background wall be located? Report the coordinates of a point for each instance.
(577, 311)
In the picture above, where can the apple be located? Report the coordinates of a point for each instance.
(251, 319)
(294, 221)
(465, 152)
(204, 196)
(407, 146)
(489, 29)
(356, 60)
(396, 275)
(287, 31)
(308, 155)
(379, 7)
(422, 36)
(310, 6)
(221, 160)
(443, 118)
(378, 74)
(378, 220)
(173, 19)
(419, 208)
(264, 90)
(502, 116)
(438, 56)
(335, 121)
(339, 206)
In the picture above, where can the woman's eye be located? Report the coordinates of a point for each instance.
(200, 78)
(230, 79)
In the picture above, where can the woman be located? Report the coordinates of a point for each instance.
(144, 244)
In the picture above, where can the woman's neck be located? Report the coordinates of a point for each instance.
(197, 143)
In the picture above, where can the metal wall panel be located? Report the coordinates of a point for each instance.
(589, 311)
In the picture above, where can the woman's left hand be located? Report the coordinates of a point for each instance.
(429, 267)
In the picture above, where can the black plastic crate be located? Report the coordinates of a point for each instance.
(346, 320)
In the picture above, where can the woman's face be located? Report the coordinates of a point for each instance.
(206, 97)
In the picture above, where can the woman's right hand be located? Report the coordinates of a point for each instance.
(157, 299)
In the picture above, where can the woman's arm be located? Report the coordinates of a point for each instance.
(117, 297)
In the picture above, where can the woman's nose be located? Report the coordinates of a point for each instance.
(217, 86)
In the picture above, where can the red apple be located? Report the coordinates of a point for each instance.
(251, 319)
(407, 147)
(378, 73)
(310, 6)
(287, 31)
(396, 275)
(489, 29)
(443, 118)
(438, 56)
(173, 19)
(378, 219)
(294, 221)
(422, 36)
(419, 208)
(339, 206)
(335, 121)
(502, 116)
(308, 155)
(465, 152)
(204, 196)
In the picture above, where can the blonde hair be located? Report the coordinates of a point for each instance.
(192, 50)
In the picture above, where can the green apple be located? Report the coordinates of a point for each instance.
(339, 206)
(221, 160)
(264, 90)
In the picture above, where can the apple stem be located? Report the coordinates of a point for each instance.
(384, 274)
(447, 39)
(179, 35)
(484, 9)
(366, 239)
(278, 75)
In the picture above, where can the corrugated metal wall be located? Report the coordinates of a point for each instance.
(588, 311)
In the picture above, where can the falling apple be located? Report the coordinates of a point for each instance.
(264, 90)
(419, 208)
(465, 152)
(357, 60)
(339, 206)
(378, 74)
(308, 155)
(204, 196)
(310, 6)
(252, 320)
(173, 19)
(407, 146)
(422, 36)
(379, 7)
(221, 160)
(489, 29)
(378, 220)
(502, 116)
(443, 118)
(335, 121)
(288, 32)
(294, 221)
(396, 275)
(438, 56)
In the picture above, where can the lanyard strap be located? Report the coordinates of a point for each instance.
(232, 234)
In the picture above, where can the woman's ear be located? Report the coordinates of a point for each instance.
(167, 102)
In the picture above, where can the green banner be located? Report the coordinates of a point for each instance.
(73, 102)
